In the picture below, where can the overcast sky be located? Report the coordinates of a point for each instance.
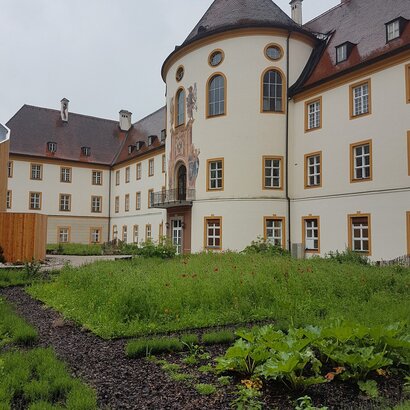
(103, 55)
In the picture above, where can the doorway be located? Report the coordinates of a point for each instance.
(176, 225)
(181, 182)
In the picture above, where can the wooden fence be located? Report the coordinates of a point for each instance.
(402, 261)
(23, 237)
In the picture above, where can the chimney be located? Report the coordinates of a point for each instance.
(296, 6)
(64, 109)
(125, 120)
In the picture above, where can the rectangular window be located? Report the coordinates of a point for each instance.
(313, 170)
(136, 234)
(213, 233)
(407, 74)
(65, 202)
(360, 99)
(35, 201)
(359, 233)
(117, 177)
(10, 169)
(275, 231)
(139, 171)
(393, 30)
(361, 161)
(272, 172)
(52, 147)
(127, 175)
(161, 231)
(341, 53)
(65, 174)
(96, 204)
(36, 172)
(215, 174)
(9, 199)
(114, 232)
(97, 177)
(64, 234)
(138, 201)
(150, 197)
(127, 203)
(151, 167)
(311, 234)
(95, 235)
(148, 232)
(163, 164)
(117, 204)
(313, 114)
(125, 233)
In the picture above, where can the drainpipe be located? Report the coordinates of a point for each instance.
(287, 141)
(109, 207)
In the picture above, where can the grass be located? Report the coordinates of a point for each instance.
(14, 277)
(38, 379)
(75, 249)
(145, 296)
(219, 337)
(147, 347)
(205, 389)
(13, 329)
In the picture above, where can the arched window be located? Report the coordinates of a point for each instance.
(216, 95)
(272, 91)
(180, 108)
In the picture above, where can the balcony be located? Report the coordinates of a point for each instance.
(173, 198)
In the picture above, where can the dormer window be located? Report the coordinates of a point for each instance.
(130, 149)
(86, 151)
(394, 29)
(52, 147)
(163, 135)
(139, 145)
(341, 53)
(151, 139)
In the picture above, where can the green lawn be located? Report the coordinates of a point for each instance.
(13, 277)
(131, 298)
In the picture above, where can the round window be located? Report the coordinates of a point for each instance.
(180, 73)
(216, 58)
(273, 52)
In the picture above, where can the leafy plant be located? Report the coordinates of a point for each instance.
(306, 403)
(348, 256)
(32, 269)
(164, 249)
(248, 399)
(225, 380)
(264, 246)
(369, 387)
(205, 389)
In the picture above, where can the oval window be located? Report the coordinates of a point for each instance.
(216, 58)
(273, 52)
(180, 73)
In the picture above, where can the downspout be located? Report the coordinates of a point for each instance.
(109, 208)
(287, 141)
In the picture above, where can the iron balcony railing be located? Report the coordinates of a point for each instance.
(173, 197)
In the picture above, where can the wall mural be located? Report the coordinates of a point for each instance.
(182, 148)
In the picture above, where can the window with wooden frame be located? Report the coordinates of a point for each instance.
(313, 170)
(393, 29)
(125, 233)
(150, 197)
(95, 235)
(313, 114)
(360, 99)
(273, 91)
(117, 204)
(360, 233)
(135, 234)
(148, 232)
(35, 200)
(311, 234)
(163, 163)
(97, 177)
(117, 177)
(36, 172)
(10, 169)
(65, 203)
(65, 174)
(272, 172)
(180, 107)
(9, 199)
(127, 203)
(274, 230)
(63, 234)
(138, 201)
(213, 233)
(114, 232)
(215, 175)
(216, 95)
(407, 74)
(139, 171)
(127, 175)
(52, 147)
(96, 204)
(151, 167)
(361, 161)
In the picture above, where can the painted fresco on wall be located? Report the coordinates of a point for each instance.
(182, 149)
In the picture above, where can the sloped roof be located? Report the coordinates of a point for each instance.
(361, 22)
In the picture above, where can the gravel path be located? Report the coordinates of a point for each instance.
(121, 383)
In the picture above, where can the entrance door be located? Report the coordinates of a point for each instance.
(182, 183)
(177, 235)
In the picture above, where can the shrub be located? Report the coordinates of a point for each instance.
(264, 246)
(147, 347)
(220, 337)
(164, 249)
(348, 256)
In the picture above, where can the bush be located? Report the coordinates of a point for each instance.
(221, 337)
(147, 347)
(164, 249)
(264, 246)
(348, 256)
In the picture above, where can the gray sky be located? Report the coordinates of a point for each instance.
(103, 55)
